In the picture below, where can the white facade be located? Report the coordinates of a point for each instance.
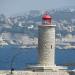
(46, 45)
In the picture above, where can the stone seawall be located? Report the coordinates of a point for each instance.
(59, 72)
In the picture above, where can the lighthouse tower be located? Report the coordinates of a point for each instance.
(46, 42)
(46, 46)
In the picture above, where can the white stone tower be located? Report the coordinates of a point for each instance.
(46, 46)
(46, 42)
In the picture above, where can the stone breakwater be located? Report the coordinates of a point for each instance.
(59, 72)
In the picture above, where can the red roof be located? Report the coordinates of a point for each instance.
(46, 17)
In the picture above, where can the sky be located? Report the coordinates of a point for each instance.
(9, 7)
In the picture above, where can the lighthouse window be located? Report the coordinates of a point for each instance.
(51, 46)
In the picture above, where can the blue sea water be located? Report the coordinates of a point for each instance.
(20, 58)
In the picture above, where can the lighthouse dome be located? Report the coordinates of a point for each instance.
(46, 17)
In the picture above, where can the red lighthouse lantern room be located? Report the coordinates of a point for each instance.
(46, 19)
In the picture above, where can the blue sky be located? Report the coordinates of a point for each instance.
(9, 7)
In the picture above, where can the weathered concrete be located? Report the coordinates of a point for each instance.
(46, 45)
(40, 73)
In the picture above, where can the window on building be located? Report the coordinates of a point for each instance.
(51, 46)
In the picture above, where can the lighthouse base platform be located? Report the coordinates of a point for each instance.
(46, 68)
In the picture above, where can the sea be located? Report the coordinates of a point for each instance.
(19, 58)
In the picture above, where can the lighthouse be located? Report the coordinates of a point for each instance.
(46, 42)
(46, 46)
